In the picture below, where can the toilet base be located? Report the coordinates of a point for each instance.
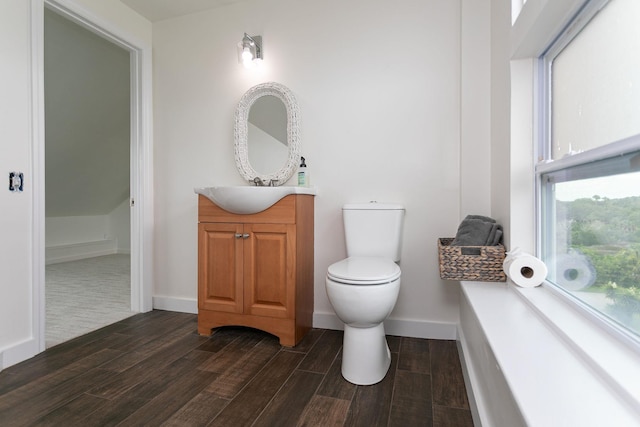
(365, 355)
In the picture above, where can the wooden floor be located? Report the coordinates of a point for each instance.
(153, 369)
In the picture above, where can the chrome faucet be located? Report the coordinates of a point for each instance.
(260, 183)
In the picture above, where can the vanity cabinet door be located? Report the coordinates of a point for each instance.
(269, 273)
(220, 267)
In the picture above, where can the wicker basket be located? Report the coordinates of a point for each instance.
(473, 263)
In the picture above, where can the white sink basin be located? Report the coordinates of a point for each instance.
(248, 199)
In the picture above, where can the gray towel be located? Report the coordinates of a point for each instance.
(477, 230)
(480, 217)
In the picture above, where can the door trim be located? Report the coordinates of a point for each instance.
(141, 156)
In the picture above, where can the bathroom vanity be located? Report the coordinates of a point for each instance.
(256, 270)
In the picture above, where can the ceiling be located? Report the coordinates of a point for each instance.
(159, 10)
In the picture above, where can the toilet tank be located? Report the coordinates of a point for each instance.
(373, 229)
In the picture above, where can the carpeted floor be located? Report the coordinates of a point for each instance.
(85, 295)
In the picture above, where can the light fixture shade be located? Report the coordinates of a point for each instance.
(250, 50)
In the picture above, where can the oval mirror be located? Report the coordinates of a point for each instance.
(267, 134)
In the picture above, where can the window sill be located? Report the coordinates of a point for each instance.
(560, 368)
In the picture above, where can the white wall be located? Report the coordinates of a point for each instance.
(475, 102)
(71, 238)
(68, 230)
(119, 221)
(379, 88)
(503, 172)
(15, 211)
(18, 333)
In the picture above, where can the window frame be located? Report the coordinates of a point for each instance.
(543, 163)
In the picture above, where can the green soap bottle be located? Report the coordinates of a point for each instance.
(303, 174)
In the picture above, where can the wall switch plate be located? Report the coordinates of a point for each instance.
(16, 181)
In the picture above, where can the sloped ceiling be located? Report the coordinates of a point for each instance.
(87, 115)
(158, 10)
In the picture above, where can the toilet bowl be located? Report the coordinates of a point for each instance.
(364, 287)
(363, 292)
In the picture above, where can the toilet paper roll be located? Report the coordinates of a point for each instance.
(574, 271)
(511, 255)
(525, 270)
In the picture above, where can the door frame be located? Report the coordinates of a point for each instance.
(141, 155)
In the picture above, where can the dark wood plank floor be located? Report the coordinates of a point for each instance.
(153, 369)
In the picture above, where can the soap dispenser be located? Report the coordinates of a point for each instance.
(303, 174)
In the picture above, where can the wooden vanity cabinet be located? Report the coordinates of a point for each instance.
(257, 270)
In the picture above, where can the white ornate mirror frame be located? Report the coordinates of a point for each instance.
(247, 171)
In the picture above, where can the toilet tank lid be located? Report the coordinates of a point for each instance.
(373, 205)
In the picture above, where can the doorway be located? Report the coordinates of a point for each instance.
(87, 179)
(139, 203)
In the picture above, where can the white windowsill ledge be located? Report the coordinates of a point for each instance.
(560, 368)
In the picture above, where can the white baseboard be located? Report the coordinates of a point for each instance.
(398, 327)
(327, 321)
(17, 353)
(181, 305)
(76, 251)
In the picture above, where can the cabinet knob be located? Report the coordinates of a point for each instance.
(245, 236)
(238, 235)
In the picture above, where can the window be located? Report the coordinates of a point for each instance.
(589, 173)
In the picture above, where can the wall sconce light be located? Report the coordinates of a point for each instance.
(250, 50)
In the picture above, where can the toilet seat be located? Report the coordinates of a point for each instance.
(364, 271)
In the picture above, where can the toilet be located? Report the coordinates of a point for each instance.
(364, 287)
